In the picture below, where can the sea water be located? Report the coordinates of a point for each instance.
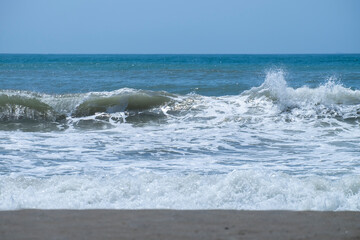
(180, 132)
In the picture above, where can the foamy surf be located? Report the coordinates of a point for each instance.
(272, 146)
(251, 190)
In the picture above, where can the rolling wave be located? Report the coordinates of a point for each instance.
(28, 107)
(273, 99)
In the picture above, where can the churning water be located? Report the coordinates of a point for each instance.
(180, 131)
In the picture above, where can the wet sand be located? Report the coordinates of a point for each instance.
(175, 224)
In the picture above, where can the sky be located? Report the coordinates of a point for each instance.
(180, 26)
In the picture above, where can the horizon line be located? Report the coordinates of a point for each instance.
(74, 53)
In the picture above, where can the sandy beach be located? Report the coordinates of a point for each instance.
(175, 224)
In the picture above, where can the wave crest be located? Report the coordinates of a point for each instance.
(120, 103)
(24, 108)
(328, 100)
(273, 100)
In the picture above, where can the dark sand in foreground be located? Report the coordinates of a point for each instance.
(173, 224)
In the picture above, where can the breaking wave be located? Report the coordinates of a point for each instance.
(97, 107)
(19, 107)
(274, 100)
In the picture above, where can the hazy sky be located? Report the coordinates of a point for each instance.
(174, 26)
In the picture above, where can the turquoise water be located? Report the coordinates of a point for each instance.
(180, 131)
(208, 75)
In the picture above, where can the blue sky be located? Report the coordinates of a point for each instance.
(174, 26)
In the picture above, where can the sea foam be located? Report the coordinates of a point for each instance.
(270, 147)
(251, 190)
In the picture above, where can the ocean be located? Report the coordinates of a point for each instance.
(253, 132)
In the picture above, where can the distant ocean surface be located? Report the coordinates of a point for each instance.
(180, 131)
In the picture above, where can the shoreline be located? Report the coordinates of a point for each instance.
(178, 224)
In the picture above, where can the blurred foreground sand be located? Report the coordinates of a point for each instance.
(177, 224)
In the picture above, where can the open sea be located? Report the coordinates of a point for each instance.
(254, 132)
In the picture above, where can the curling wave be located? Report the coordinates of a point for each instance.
(273, 100)
(24, 108)
(29, 107)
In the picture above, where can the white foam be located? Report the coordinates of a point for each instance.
(272, 147)
(236, 190)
